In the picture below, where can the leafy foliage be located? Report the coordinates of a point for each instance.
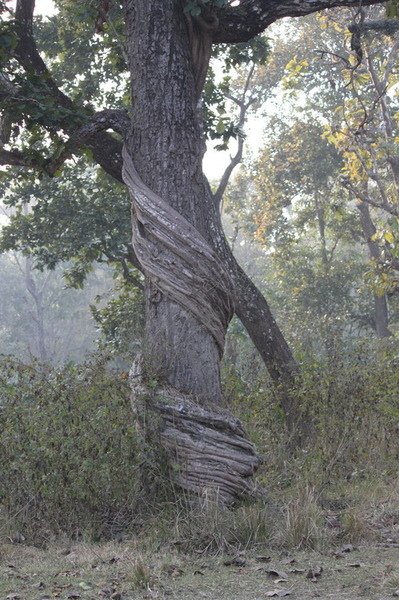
(81, 216)
(121, 322)
(68, 449)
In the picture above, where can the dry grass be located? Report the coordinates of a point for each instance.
(98, 571)
(303, 521)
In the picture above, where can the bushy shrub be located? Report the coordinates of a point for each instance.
(349, 397)
(68, 449)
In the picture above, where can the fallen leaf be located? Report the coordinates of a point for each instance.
(296, 570)
(314, 573)
(105, 592)
(13, 597)
(396, 593)
(278, 593)
(263, 558)
(277, 573)
(173, 570)
(73, 596)
(355, 565)
(85, 586)
(237, 561)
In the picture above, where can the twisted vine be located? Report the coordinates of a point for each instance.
(207, 448)
(177, 259)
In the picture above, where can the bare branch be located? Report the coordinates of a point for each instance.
(244, 105)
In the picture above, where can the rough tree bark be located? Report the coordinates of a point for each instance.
(189, 295)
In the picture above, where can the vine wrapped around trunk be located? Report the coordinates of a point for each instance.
(177, 259)
(206, 446)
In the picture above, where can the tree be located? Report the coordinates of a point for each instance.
(365, 132)
(192, 280)
(42, 320)
(356, 99)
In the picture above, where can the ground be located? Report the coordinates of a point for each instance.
(125, 571)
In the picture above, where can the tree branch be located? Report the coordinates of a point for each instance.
(243, 22)
(107, 151)
(365, 198)
(16, 158)
(118, 120)
(237, 158)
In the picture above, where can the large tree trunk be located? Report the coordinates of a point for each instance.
(188, 291)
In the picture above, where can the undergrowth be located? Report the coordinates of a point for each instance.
(70, 459)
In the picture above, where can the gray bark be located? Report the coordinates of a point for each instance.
(188, 290)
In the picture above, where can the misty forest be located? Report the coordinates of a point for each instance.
(199, 299)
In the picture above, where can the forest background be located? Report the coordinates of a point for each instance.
(312, 215)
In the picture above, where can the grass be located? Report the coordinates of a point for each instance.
(349, 534)
(109, 570)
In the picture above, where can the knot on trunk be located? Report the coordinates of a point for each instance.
(177, 259)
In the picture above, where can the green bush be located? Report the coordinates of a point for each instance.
(349, 397)
(68, 450)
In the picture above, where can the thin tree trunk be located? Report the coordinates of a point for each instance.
(38, 315)
(253, 311)
(381, 314)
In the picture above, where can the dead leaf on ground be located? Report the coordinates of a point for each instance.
(278, 593)
(277, 573)
(237, 561)
(13, 597)
(263, 559)
(314, 573)
(347, 548)
(106, 592)
(86, 586)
